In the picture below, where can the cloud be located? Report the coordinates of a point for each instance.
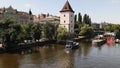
(115, 1)
(27, 5)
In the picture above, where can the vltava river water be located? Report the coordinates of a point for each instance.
(56, 56)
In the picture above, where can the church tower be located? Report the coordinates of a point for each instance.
(67, 18)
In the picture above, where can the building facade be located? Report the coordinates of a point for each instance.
(44, 18)
(67, 18)
(19, 16)
(39, 17)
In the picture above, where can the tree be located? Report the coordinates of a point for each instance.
(62, 34)
(49, 30)
(113, 28)
(87, 20)
(76, 23)
(9, 31)
(86, 30)
(79, 18)
(28, 31)
(37, 31)
(75, 18)
(110, 28)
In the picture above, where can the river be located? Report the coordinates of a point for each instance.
(56, 56)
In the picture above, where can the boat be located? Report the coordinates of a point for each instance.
(98, 42)
(72, 45)
(117, 41)
(110, 40)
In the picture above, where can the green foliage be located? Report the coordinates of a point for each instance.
(80, 23)
(37, 31)
(86, 30)
(87, 19)
(12, 32)
(79, 18)
(30, 31)
(62, 34)
(49, 30)
(110, 28)
(75, 18)
(113, 28)
(9, 31)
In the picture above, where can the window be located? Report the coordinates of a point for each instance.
(71, 21)
(64, 15)
(64, 26)
(64, 21)
(71, 15)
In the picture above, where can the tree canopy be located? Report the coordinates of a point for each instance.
(49, 30)
(86, 30)
(62, 34)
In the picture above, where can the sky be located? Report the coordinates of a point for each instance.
(98, 10)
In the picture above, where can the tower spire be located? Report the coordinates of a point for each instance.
(67, 7)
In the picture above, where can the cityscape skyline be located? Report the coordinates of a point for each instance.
(99, 11)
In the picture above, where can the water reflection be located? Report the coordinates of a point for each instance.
(56, 56)
(9, 61)
(85, 48)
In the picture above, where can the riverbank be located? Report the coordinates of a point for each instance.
(30, 45)
(26, 46)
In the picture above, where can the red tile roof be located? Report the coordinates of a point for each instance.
(67, 8)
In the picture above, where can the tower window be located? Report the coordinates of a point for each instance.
(64, 21)
(64, 15)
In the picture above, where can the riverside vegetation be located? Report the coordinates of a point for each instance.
(12, 33)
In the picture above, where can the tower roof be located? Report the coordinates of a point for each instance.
(67, 8)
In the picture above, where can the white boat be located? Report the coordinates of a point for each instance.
(72, 45)
(117, 41)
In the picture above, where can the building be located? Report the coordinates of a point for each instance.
(44, 18)
(67, 18)
(39, 17)
(103, 24)
(96, 25)
(51, 19)
(19, 16)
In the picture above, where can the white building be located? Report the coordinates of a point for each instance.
(67, 18)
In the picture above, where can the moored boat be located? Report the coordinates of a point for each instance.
(117, 40)
(110, 40)
(72, 45)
